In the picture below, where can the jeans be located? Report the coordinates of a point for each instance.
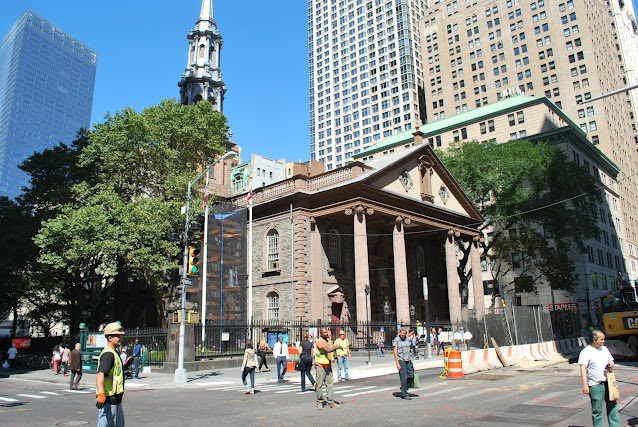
(305, 365)
(64, 367)
(137, 365)
(598, 394)
(325, 376)
(406, 374)
(110, 416)
(249, 371)
(281, 361)
(342, 362)
(380, 352)
(76, 376)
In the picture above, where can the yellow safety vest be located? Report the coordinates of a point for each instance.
(322, 357)
(114, 382)
(344, 344)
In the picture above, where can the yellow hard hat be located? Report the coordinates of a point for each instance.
(113, 328)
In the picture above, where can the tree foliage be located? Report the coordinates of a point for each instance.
(535, 203)
(110, 200)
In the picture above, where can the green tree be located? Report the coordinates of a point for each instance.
(116, 223)
(536, 203)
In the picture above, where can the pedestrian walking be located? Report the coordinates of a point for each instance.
(306, 350)
(110, 379)
(248, 366)
(343, 355)
(403, 357)
(57, 358)
(434, 339)
(137, 354)
(323, 365)
(595, 360)
(66, 353)
(262, 352)
(441, 339)
(75, 366)
(280, 350)
(12, 354)
(381, 344)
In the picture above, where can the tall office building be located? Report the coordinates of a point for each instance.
(476, 53)
(46, 94)
(365, 74)
(203, 76)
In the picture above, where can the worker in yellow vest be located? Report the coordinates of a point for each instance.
(343, 354)
(110, 379)
(323, 366)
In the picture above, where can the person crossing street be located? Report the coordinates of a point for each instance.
(343, 356)
(280, 350)
(323, 366)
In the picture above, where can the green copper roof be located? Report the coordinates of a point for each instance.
(478, 114)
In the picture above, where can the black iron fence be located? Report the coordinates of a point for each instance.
(153, 342)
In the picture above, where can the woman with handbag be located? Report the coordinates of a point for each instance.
(262, 352)
(381, 344)
(305, 361)
(248, 366)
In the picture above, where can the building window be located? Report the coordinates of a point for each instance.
(272, 248)
(334, 249)
(272, 301)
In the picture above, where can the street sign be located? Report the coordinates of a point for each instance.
(187, 282)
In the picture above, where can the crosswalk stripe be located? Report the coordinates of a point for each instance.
(463, 396)
(50, 392)
(444, 390)
(77, 391)
(355, 389)
(543, 398)
(33, 396)
(369, 391)
(8, 399)
(136, 384)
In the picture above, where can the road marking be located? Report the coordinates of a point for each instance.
(369, 391)
(463, 396)
(544, 398)
(577, 403)
(8, 399)
(34, 396)
(341, 390)
(50, 392)
(445, 390)
(216, 383)
(136, 385)
(77, 391)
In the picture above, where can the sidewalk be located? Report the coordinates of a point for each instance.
(358, 367)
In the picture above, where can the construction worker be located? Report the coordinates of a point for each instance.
(110, 379)
(343, 354)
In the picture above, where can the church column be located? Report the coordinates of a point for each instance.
(401, 271)
(316, 273)
(453, 294)
(477, 279)
(361, 268)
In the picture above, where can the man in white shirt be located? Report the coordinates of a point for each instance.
(280, 351)
(12, 353)
(594, 361)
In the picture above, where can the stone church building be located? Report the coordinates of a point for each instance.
(388, 226)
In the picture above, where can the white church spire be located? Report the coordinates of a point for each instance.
(203, 77)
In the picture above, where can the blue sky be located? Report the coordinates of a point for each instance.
(142, 50)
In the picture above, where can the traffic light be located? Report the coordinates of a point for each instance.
(193, 261)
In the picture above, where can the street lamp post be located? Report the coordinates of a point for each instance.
(180, 372)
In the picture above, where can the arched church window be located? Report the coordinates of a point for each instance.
(202, 51)
(420, 261)
(334, 249)
(272, 303)
(272, 248)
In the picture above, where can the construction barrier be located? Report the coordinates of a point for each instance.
(455, 364)
(293, 357)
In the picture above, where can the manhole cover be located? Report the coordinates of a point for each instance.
(74, 423)
(274, 403)
(488, 377)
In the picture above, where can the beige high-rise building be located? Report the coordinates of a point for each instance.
(479, 52)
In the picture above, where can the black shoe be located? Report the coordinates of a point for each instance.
(406, 398)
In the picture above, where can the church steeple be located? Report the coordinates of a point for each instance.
(203, 77)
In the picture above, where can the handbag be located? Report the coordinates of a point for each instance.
(612, 386)
(297, 367)
(415, 381)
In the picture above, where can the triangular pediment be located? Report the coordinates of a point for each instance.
(420, 175)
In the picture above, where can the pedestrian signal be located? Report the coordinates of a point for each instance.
(193, 261)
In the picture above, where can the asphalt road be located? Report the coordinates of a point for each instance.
(508, 397)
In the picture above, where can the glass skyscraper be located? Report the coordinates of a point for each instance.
(46, 94)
